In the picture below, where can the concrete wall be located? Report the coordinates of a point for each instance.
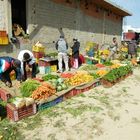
(47, 20)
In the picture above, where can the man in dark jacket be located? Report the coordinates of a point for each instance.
(7, 64)
(75, 53)
(132, 49)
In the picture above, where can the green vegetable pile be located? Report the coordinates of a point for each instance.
(89, 67)
(95, 76)
(50, 77)
(58, 84)
(108, 63)
(117, 73)
(28, 87)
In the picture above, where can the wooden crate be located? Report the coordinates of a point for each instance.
(16, 114)
(4, 94)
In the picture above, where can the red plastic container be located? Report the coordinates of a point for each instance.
(17, 114)
(4, 94)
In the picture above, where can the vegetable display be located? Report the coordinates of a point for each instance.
(28, 87)
(66, 75)
(59, 84)
(89, 67)
(44, 91)
(78, 79)
(20, 102)
(50, 77)
(102, 72)
(116, 73)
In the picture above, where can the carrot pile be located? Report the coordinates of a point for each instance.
(44, 91)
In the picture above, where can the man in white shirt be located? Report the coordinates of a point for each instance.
(27, 58)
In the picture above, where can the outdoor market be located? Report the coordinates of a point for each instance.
(51, 87)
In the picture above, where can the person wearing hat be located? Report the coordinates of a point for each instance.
(26, 57)
(75, 53)
(62, 48)
(7, 64)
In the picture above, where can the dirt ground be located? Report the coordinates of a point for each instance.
(98, 114)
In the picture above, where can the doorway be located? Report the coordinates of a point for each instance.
(19, 13)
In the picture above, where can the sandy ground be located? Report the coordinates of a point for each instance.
(98, 114)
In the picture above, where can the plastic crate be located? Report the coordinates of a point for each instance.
(43, 63)
(17, 114)
(68, 94)
(38, 54)
(5, 41)
(3, 34)
(38, 49)
(1, 41)
(47, 69)
(97, 83)
(50, 103)
(89, 61)
(53, 68)
(41, 69)
(4, 94)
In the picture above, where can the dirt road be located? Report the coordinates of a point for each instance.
(99, 114)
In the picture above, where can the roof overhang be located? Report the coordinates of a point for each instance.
(107, 4)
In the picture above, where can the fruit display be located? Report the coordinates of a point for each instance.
(102, 72)
(44, 91)
(78, 79)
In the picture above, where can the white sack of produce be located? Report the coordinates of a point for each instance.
(29, 101)
(19, 102)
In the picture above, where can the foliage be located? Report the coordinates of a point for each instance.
(108, 63)
(49, 77)
(95, 76)
(28, 87)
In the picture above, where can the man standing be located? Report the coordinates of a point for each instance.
(113, 48)
(62, 48)
(7, 64)
(132, 49)
(27, 58)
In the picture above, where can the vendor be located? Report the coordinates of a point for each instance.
(75, 53)
(27, 58)
(90, 51)
(113, 48)
(7, 64)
